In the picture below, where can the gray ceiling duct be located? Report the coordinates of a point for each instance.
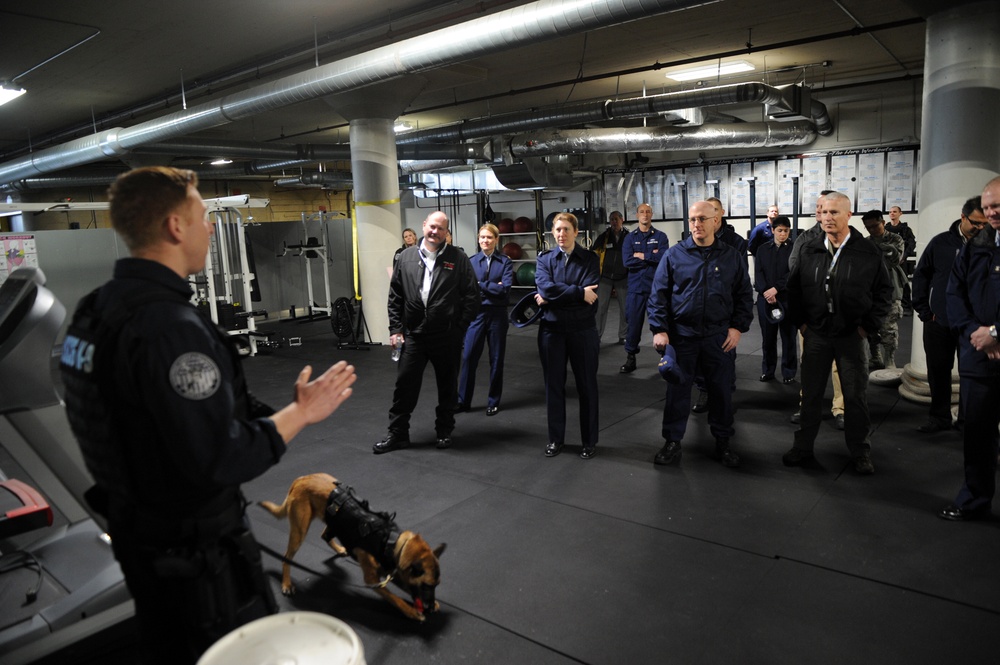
(309, 152)
(663, 139)
(544, 19)
(634, 107)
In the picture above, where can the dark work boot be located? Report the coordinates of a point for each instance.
(629, 365)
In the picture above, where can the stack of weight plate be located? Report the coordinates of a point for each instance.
(913, 385)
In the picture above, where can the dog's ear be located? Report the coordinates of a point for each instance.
(439, 550)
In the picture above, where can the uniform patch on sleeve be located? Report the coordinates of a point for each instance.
(195, 376)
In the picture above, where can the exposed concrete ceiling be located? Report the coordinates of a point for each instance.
(132, 62)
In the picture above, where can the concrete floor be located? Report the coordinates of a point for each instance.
(614, 560)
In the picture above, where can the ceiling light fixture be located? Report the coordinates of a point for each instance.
(402, 126)
(10, 92)
(711, 71)
(222, 161)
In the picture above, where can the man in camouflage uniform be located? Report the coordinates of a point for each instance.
(892, 247)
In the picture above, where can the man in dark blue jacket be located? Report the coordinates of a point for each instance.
(701, 303)
(433, 297)
(974, 311)
(763, 233)
(839, 293)
(770, 278)
(642, 250)
(930, 282)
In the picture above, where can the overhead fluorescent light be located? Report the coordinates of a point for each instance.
(222, 161)
(402, 126)
(10, 92)
(711, 71)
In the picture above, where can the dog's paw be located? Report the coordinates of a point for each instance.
(288, 590)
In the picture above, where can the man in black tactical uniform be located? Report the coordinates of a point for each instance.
(158, 401)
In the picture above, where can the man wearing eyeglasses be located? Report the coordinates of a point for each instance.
(883, 353)
(642, 250)
(838, 294)
(930, 282)
(701, 303)
(974, 311)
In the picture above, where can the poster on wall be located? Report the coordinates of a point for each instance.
(695, 179)
(844, 176)
(719, 173)
(765, 183)
(899, 180)
(654, 191)
(614, 192)
(673, 180)
(18, 252)
(814, 180)
(739, 192)
(871, 181)
(785, 183)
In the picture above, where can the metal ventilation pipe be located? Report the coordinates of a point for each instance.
(663, 139)
(598, 111)
(308, 152)
(544, 19)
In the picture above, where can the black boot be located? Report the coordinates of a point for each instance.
(629, 365)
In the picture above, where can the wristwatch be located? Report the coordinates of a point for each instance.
(993, 332)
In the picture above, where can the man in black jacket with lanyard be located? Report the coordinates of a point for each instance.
(838, 294)
(157, 399)
(433, 297)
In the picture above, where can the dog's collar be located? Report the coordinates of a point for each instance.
(396, 551)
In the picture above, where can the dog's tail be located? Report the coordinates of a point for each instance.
(278, 511)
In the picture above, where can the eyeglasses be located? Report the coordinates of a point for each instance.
(700, 220)
(975, 222)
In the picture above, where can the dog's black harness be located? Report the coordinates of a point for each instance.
(355, 525)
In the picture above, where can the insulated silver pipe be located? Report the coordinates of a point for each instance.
(544, 19)
(314, 152)
(603, 110)
(663, 139)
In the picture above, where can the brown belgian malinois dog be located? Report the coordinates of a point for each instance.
(372, 539)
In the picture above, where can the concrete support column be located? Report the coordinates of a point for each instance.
(959, 141)
(376, 197)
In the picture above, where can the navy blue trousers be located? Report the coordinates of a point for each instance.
(981, 396)
(769, 347)
(940, 345)
(489, 327)
(717, 369)
(635, 316)
(556, 346)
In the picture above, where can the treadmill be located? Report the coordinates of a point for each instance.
(60, 586)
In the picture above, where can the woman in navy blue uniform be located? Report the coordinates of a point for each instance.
(495, 274)
(770, 275)
(567, 279)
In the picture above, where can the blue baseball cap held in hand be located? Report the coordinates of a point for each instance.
(775, 312)
(669, 369)
(526, 311)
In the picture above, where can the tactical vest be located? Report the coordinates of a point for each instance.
(355, 525)
(86, 366)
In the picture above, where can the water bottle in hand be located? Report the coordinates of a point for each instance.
(396, 353)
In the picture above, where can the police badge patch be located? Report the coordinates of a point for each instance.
(195, 376)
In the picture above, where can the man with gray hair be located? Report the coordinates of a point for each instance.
(838, 294)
